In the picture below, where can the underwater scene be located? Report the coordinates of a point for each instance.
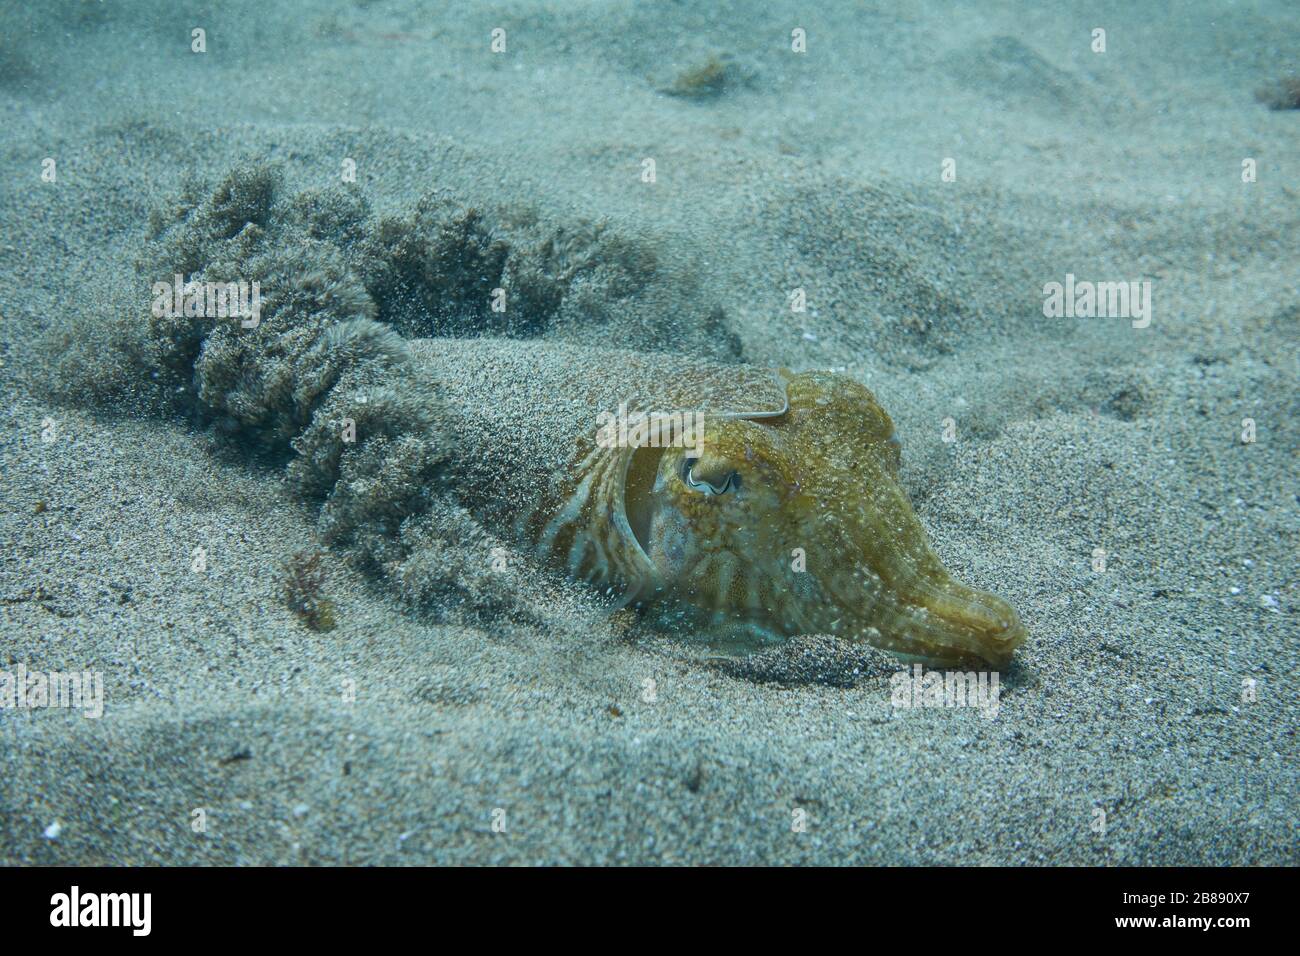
(643, 432)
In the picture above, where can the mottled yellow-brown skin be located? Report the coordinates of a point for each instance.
(797, 524)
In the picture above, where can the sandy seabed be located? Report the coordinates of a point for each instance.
(1097, 476)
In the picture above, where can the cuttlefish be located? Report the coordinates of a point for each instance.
(744, 504)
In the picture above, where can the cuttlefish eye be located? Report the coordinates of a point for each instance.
(729, 482)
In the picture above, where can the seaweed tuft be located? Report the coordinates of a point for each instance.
(452, 568)
(703, 79)
(303, 584)
(435, 272)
